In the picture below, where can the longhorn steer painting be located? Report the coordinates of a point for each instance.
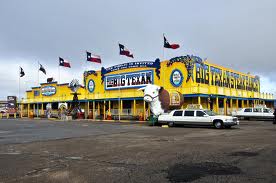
(159, 99)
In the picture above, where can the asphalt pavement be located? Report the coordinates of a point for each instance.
(80, 152)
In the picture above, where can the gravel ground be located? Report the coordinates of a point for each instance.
(49, 151)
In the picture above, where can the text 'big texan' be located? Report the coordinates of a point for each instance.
(129, 80)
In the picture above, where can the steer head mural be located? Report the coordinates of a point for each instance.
(158, 99)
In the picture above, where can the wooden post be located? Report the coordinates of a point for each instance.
(247, 103)
(242, 103)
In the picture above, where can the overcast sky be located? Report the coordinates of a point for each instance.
(238, 34)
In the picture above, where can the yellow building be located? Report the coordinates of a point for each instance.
(113, 90)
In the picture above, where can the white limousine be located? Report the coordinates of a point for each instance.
(254, 113)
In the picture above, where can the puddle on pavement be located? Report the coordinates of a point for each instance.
(191, 172)
(244, 153)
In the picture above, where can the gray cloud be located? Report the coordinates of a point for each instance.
(236, 34)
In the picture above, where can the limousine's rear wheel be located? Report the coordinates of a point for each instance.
(171, 124)
(218, 124)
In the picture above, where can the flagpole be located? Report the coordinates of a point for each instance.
(59, 82)
(163, 60)
(19, 89)
(37, 109)
(119, 97)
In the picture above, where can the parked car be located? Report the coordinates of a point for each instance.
(197, 117)
(3, 110)
(254, 113)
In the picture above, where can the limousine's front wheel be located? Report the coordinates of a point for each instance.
(218, 124)
(171, 124)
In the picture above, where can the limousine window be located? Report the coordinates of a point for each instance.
(178, 113)
(257, 110)
(200, 113)
(189, 113)
(248, 110)
(267, 111)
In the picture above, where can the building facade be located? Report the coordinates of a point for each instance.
(113, 91)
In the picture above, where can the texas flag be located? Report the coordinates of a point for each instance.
(64, 63)
(93, 58)
(125, 51)
(168, 45)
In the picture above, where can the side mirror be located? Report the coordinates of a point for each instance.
(205, 115)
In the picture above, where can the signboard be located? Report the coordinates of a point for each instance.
(176, 78)
(175, 99)
(48, 90)
(128, 80)
(140, 64)
(11, 102)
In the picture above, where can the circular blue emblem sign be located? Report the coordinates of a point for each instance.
(91, 85)
(176, 78)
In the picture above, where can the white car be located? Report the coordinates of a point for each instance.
(254, 113)
(197, 117)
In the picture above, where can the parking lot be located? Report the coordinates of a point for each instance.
(54, 151)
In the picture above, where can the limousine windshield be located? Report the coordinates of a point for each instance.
(210, 113)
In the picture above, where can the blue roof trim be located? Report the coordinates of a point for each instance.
(36, 87)
(48, 83)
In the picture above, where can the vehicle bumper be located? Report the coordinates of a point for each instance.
(231, 123)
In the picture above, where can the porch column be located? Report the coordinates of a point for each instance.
(121, 106)
(134, 107)
(109, 106)
(93, 110)
(88, 109)
(208, 103)
(98, 110)
(231, 105)
(247, 103)
(237, 104)
(217, 104)
(28, 110)
(242, 103)
(144, 109)
(42, 109)
(21, 110)
(104, 110)
(199, 100)
(225, 106)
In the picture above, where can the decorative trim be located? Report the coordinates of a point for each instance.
(181, 78)
(89, 89)
(189, 62)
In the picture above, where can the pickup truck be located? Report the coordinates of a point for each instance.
(197, 117)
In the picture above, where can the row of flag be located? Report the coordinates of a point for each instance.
(97, 59)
